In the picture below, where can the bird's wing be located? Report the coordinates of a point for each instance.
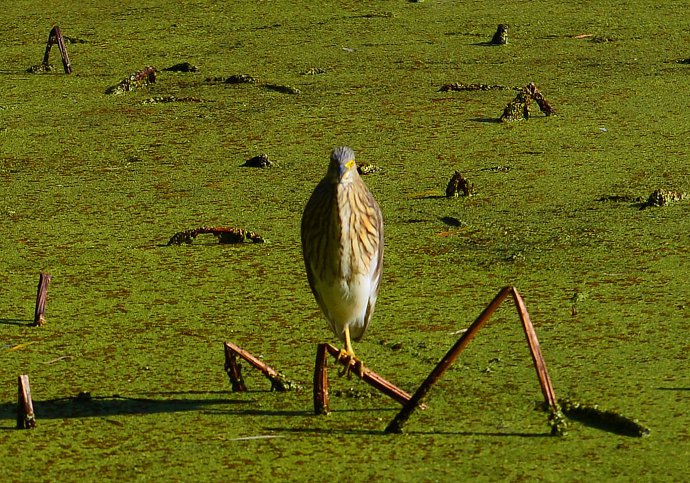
(376, 270)
(305, 231)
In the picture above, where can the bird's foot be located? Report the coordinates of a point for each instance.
(350, 364)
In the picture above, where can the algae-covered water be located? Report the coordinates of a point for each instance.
(94, 185)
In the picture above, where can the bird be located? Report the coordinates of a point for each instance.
(342, 245)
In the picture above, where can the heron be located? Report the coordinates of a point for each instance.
(342, 245)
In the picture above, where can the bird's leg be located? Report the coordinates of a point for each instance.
(349, 355)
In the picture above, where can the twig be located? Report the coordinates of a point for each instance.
(21, 346)
(321, 401)
(57, 359)
(366, 375)
(537, 358)
(250, 438)
(278, 381)
(395, 426)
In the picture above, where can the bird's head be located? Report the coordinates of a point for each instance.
(342, 166)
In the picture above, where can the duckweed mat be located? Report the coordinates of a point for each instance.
(127, 373)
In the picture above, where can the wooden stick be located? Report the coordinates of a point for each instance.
(370, 377)
(234, 370)
(278, 382)
(395, 426)
(537, 358)
(42, 293)
(26, 419)
(321, 400)
(49, 44)
(60, 41)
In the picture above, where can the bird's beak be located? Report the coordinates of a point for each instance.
(346, 167)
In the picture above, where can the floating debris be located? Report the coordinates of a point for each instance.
(683, 61)
(519, 108)
(498, 169)
(378, 15)
(40, 68)
(662, 197)
(314, 71)
(459, 185)
(241, 79)
(135, 80)
(557, 421)
(260, 161)
(501, 35)
(282, 89)
(353, 393)
(602, 40)
(164, 99)
(621, 199)
(517, 257)
(367, 168)
(458, 86)
(224, 235)
(248, 79)
(611, 421)
(233, 79)
(182, 67)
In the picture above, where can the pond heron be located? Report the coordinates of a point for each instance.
(342, 244)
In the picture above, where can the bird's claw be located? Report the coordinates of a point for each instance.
(350, 364)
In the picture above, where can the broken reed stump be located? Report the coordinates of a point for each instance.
(234, 370)
(321, 401)
(54, 37)
(278, 382)
(41, 296)
(501, 35)
(26, 419)
(135, 80)
(458, 185)
(519, 108)
(259, 161)
(396, 425)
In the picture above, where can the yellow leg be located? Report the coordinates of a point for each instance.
(349, 355)
(348, 342)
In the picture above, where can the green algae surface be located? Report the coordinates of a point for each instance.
(94, 185)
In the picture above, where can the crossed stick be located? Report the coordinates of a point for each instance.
(608, 420)
(321, 400)
(410, 403)
(55, 37)
(396, 425)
